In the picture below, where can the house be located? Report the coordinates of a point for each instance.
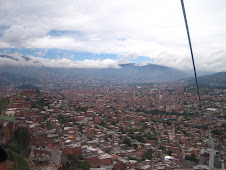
(46, 158)
(10, 112)
(39, 139)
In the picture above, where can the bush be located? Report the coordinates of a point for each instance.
(13, 146)
(22, 163)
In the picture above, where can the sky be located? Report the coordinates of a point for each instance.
(103, 33)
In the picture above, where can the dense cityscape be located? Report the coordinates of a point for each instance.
(112, 85)
(145, 126)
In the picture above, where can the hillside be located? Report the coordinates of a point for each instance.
(218, 79)
(213, 80)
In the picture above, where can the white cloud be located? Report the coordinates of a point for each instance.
(70, 56)
(18, 36)
(4, 45)
(142, 27)
(41, 53)
(19, 60)
(56, 42)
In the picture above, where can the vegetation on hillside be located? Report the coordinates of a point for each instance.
(4, 103)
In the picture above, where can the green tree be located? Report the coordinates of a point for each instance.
(127, 141)
(185, 132)
(217, 132)
(147, 155)
(102, 123)
(22, 136)
(20, 142)
(49, 127)
(3, 104)
(192, 158)
(161, 147)
(135, 146)
(169, 152)
(83, 165)
(140, 139)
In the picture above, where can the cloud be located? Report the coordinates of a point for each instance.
(18, 60)
(18, 36)
(205, 59)
(41, 53)
(70, 56)
(56, 42)
(142, 27)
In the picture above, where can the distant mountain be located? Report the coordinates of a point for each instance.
(30, 72)
(131, 72)
(217, 79)
(9, 57)
(151, 72)
(7, 78)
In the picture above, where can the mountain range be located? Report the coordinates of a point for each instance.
(125, 73)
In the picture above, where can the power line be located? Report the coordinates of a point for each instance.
(193, 61)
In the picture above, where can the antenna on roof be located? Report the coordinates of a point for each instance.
(193, 61)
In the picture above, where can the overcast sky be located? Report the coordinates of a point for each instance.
(105, 33)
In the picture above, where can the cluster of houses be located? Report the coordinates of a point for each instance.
(108, 129)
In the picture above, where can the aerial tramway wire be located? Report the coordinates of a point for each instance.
(193, 61)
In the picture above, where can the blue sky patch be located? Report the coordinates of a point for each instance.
(70, 54)
(63, 32)
(142, 59)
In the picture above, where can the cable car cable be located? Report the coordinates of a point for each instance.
(193, 61)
